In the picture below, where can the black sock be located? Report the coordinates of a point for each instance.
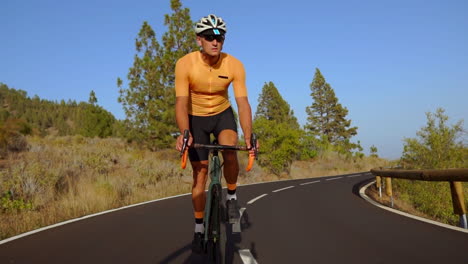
(198, 220)
(231, 192)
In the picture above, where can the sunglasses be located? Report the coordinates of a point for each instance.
(219, 38)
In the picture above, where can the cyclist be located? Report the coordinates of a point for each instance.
(202, 79)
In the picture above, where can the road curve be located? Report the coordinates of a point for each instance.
(316, 220)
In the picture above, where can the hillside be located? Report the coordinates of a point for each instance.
(43, 117)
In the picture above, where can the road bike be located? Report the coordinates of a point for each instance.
(215, 218)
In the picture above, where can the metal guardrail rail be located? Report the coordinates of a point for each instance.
(454, 176)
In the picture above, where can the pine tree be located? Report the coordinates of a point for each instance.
(149, 99)
(373, 151)
(92, 98)
(179, 40)
(272, 106)
(95, 121)
(277, 127)
(327, 117)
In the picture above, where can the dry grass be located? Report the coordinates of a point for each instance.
(61, 178)
(333, 163)
(67, 177)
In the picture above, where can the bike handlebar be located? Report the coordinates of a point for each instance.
(184, 151)
(185, 147)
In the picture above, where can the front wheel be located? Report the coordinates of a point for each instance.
(216, 246)
(221, 242)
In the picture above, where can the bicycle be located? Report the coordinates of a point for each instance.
(214, 242)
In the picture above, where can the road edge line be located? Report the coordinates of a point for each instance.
(83, 218)
(362, 193)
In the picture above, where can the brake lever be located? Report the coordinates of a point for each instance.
(184, 150)
(184, 145)
(253, 144)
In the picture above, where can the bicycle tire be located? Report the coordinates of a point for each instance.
(216, 245)
(211, 250)
(222, 236)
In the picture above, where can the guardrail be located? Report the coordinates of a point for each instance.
(453, 176)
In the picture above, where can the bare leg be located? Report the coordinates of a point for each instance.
(200, 175)
(231, 164)
(200, 170)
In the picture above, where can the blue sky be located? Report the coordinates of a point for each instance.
(389, 62)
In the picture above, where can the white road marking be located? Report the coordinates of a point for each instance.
(255, 199)
(86, 217)
(282, 189)
(334, 179)
(309, 182)
(247, 257)
(355, 176)
(241, 211)
(236, 227)
(363, 194)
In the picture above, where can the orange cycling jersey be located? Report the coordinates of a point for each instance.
(207, 86)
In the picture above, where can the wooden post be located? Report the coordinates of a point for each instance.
(458, 201)
(388, 188)
(378, 184)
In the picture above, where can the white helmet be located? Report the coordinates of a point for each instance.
(214, 24)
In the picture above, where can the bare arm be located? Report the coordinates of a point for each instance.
(245, 118)
(181, 108)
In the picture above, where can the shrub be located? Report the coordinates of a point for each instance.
(281, 142)
(12, 136)
(438, 145)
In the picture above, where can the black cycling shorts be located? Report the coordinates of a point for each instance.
(202, 126)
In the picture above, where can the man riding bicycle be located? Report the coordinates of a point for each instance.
(202, 79)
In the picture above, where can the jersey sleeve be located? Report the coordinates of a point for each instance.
(238, 83)
(181, 79)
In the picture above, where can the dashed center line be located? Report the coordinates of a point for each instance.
(247, 257)
(236, 227)
(255, 199)
(334, 179)
(309, 182)
(245, 254)
(282, 189)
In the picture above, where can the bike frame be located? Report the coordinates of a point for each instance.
(213, 198)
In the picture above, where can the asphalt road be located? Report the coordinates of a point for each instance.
(316, 220)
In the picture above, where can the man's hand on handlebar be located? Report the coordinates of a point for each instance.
(252, 145)
(181, 140)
